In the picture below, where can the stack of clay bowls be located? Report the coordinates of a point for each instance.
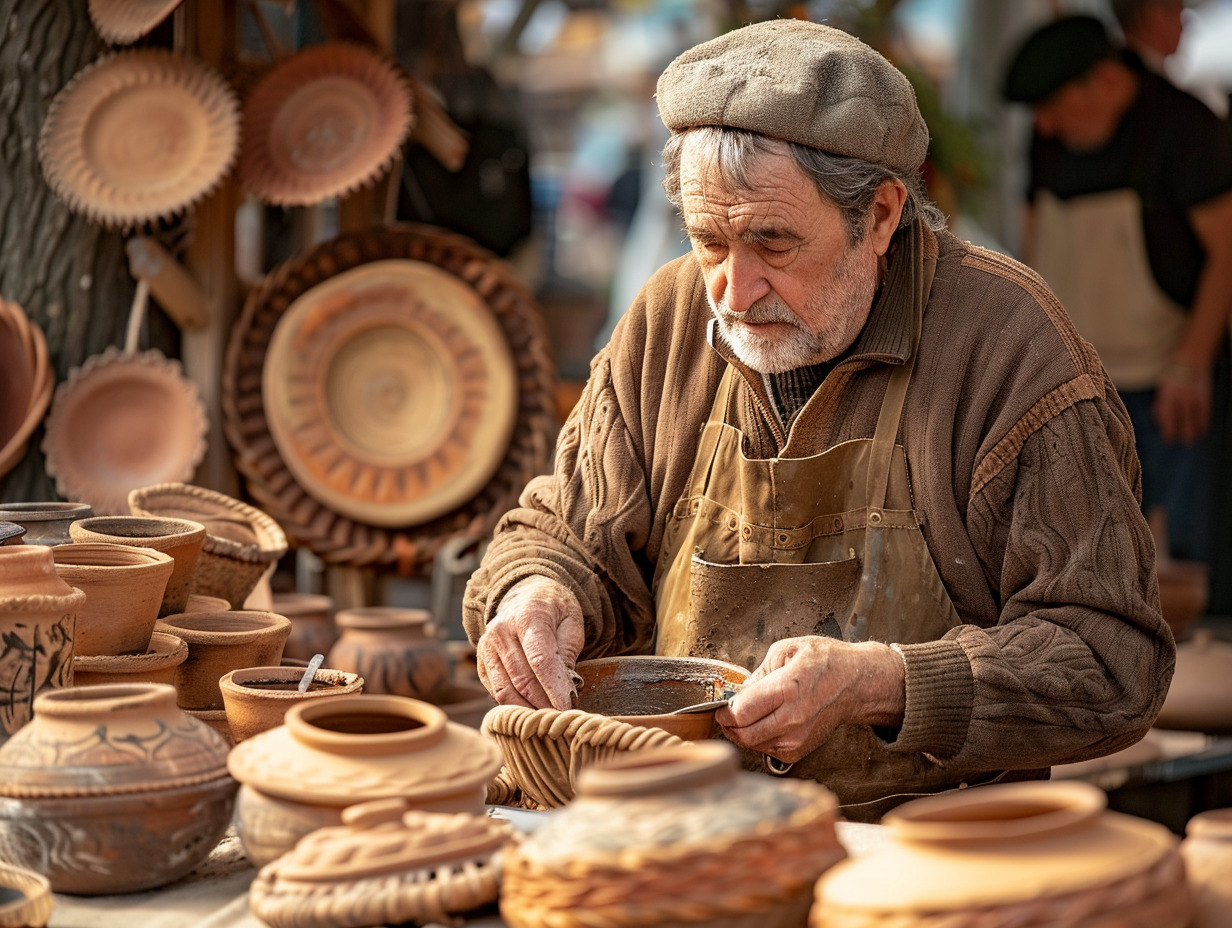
(241, 541)
(218, 643)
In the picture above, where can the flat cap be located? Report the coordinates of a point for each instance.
(1054, 55)
(801, 82)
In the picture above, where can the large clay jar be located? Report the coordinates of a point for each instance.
(219, 642)
(332, 753)
(386, 864)
(312, 623)
(1207, 850)
(241, 541)
(112, 789)
(45, 523)
(156, 665)
(673, 835)
(395, 650)
(25, 898)
(257, 698)
(1200, 697)
(38, 619)
(124, 588)
(179, 539)
(1016, 854)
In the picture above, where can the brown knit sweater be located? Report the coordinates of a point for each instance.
(1023, 471)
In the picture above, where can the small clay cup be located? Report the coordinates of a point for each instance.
(257, 698)
(124, 589)
(219, 642)
(179, 539)
(46, 523)
(312, 623)
(156, 665)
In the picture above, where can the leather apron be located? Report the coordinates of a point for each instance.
(1092, 251)
(765, 549)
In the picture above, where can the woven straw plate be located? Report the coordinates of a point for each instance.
(323, 123)
(26, 381)
(123, 21)
(138, 136)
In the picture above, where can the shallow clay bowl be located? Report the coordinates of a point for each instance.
(641, 690)
(45, 523)
(257, 698)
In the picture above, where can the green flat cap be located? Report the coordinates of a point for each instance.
(1054, 55)
(801, 82)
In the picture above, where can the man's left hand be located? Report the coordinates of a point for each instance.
(807, 687)
(1183, 401)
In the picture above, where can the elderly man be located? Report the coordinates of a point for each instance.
(840, 447)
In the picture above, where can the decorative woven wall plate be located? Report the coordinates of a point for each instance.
(390, 392)
(121, 422)
(336, 536)
(123, 21)
(322, 123)
(139, 135)
(26, 381)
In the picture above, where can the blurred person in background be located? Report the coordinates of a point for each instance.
(1152, 32)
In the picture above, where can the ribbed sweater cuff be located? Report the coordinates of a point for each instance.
(940, 693)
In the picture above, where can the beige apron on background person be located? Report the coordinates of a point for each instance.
(1092, 252)
(765, 549)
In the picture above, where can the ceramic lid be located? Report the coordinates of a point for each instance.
(996, 845)
(391, 392)
(139, 135)
(121, 422)
(125, 21)
(339, 752)
(322, 123)
(115, 738)
(26, 381)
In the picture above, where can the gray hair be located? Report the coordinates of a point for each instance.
(851, 184)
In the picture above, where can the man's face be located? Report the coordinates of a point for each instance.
(787, 287)
(1079, 114)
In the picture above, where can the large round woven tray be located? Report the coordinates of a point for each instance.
(26, 381)
(390, 392)
(139, 135)
(339, 538)
(322, 123)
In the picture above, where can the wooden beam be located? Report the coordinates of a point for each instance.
(170, 284)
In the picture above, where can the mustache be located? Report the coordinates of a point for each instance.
(767, 309)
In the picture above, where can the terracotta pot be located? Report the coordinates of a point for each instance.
(180, 539)
(112, 789)
(1200, 697)
(641, 690)
(312, 623)
(464, 702)
(45, 523)
(219, 642)
(25, 898)
(215, 719)
(395, 650)
(124, 589)
(257, 698)
(332, 753)
(386, 863)
(38, 620)
(156, 665)
(1207, 850)
(11, 532)
(241, 541)
(1036, 853)
(199, 603)
(672, 830)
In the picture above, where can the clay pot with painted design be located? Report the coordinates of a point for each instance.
(219, 642)
(257, 698)
(124, 589)
(179, 539)
(38, 622)
(331, 753)
(395, 650)
(112, 789)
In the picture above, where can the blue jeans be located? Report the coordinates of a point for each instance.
(1180, 478)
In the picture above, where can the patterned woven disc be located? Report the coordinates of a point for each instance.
(124, 21)
(26, 381)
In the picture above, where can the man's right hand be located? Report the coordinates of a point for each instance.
(527, 652)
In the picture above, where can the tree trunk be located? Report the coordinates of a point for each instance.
(70, 276)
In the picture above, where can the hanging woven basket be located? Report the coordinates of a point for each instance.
(344, 480)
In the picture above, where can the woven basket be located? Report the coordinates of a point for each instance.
(545, 748)
(241, 541)
(336, 538)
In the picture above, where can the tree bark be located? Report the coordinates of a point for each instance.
(70, 276)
